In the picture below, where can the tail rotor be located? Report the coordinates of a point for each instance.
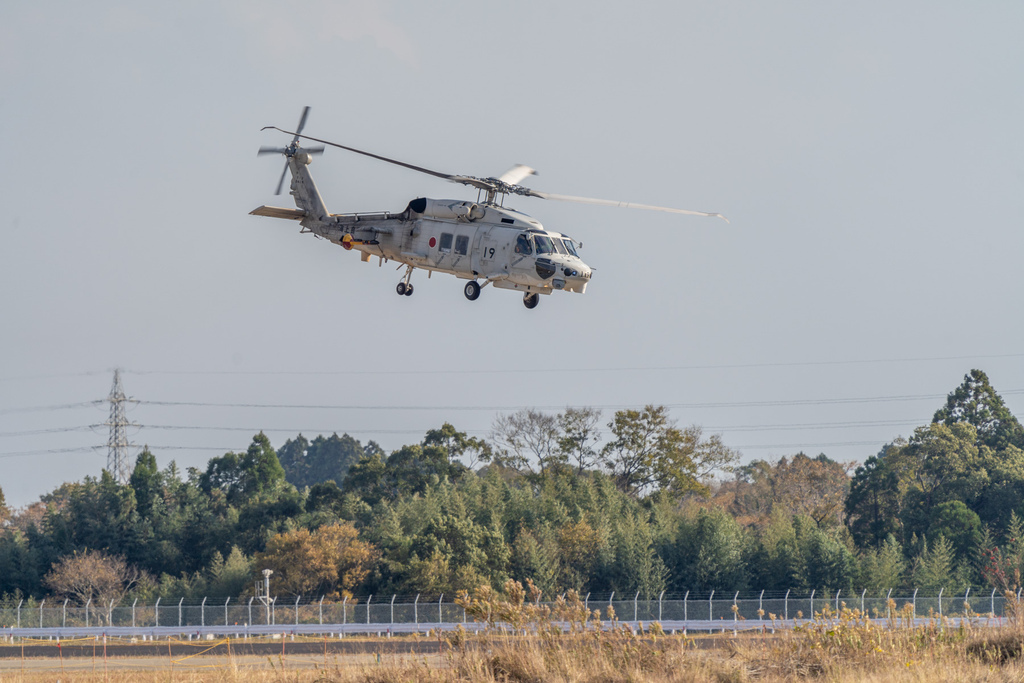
(291, 149)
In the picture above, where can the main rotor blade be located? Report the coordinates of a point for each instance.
(437, 174)
(271, 150)
(626, 205)
(302, 123)
(280, 183)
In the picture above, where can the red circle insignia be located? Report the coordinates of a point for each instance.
(432, 242)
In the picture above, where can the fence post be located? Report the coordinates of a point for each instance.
(862, 594)
(635, 599)
(711, 616)
(110, 613)
(760, 605)
(993, 603)
(273, 610)
(156, 611)
(887, 610)
(87, 612)
(64, 614)
(41, 613)
(659, 604)
(610, 597)
(736, 609)
(250, 611)
(392, 609)
(202, 612)
(19, 612)
(368, 608)
(586, 602)
(786, 605)
(940, 600)
(321, 610)
(837, 599)
(685, 600)
(812, 602)
(914, 603)
(226, 610)
(179, 611)
(439, 619)
(967, 605)
(416, 610)
(297, 598)
(344, 611)
(133, 612)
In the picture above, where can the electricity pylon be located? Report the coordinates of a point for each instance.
(117, 444)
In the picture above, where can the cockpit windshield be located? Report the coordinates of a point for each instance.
(523, 245)
(570, 246)
(544, 245)
(559, 247)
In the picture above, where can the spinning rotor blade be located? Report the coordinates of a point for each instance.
(465, 180)
(627, 205)
(271, 150)
(280, 183)
(302, 123)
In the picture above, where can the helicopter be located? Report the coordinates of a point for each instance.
(482, 241)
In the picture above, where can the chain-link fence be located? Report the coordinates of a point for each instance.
(395, 609)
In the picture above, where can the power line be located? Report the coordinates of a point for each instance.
(486, 408)
(650, 368)
(503, 371)
(60, 406)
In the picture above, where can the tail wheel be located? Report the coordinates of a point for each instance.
(401, 288)
(472, 290)
(408, 290)
(531, 300)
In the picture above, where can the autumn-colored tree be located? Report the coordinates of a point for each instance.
(330, 561)
(815, 487)
(93, 576)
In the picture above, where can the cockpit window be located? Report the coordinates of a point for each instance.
(523, 245)
(570, 246)
(544, 245)
(559, 247)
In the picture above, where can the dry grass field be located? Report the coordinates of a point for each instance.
(835, 646)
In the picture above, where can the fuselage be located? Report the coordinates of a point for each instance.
(471, 241)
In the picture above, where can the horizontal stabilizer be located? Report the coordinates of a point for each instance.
(278, 212)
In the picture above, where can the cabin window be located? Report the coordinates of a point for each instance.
(570, 246)
(462, 244)
(523, 245)
(445, 246)
(544, 245)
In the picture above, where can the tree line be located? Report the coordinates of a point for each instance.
(569, 501)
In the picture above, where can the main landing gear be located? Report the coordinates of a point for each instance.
(405, 287)
(472, 292)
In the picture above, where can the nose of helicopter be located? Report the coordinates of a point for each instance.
(576, 275)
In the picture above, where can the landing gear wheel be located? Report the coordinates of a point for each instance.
(408, 290)
(531, 300)
(472, 290)
(400, 288)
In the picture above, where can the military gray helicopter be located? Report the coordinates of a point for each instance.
(480, 241)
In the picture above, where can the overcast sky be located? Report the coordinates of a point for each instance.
(868, 155)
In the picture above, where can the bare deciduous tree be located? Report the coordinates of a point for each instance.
(93, 575)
